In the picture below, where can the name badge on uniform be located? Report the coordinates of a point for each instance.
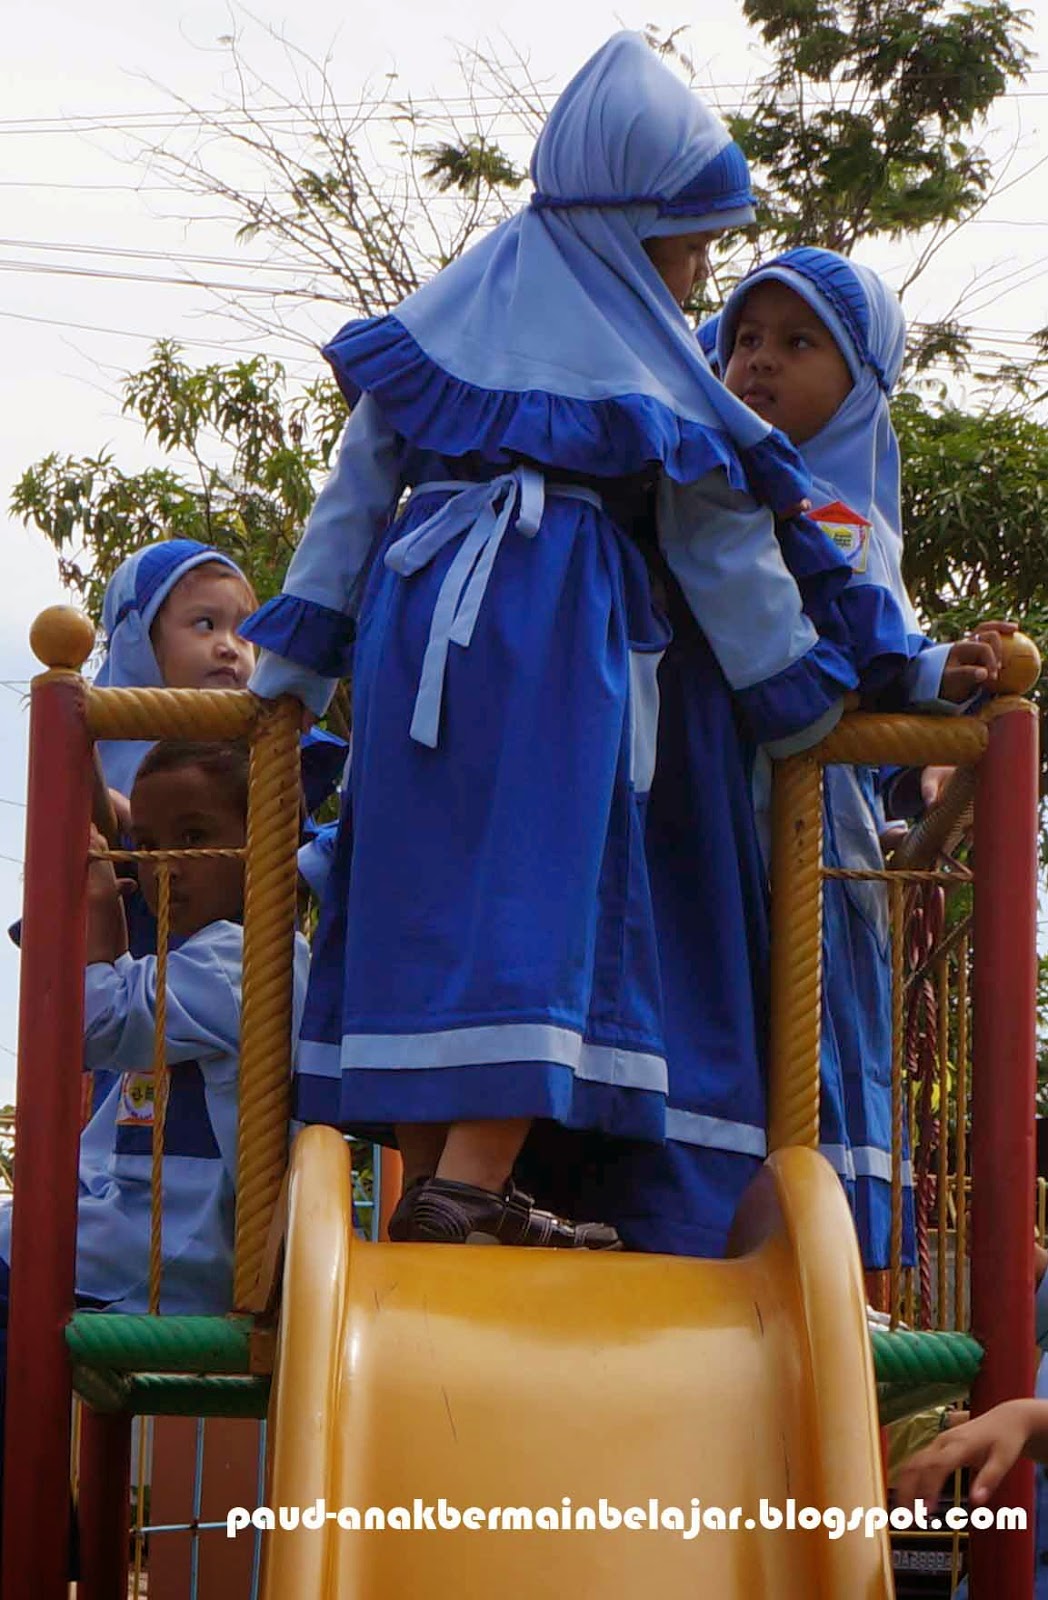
(849, 532)
(135, 1109)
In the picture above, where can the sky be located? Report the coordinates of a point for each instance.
(76, 197)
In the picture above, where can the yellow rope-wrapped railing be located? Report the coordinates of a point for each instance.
(864, 738)
(895, 903)
(160, 1086)
(796, 953)
(860, 738)
(269, 920)
(170, 713)
(269, 934)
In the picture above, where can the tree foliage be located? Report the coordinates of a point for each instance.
(862, 126)
(272, 444)
(975, 508)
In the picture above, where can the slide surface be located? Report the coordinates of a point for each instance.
(488, 1377)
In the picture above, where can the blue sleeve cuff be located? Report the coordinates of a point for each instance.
(924, 677)
(274, 676)
(302, 631)
(875, 636)
(794, 709)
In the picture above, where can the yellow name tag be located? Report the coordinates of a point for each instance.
(849, 532)
(135, 1109)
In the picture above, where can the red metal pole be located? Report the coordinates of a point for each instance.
(1004, 1080)
(104, 1506)
(47, 1129)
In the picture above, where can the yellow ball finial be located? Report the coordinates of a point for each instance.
(1020, 664)
(62, 638)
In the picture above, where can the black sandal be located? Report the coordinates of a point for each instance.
(440, 1211)
(400, 1217)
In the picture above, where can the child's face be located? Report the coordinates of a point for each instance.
(785, 364)
(194, 636)
(190, 810)
(681, 261)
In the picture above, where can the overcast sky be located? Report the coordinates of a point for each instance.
(69, 178)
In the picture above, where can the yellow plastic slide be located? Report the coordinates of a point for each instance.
(565, 1389)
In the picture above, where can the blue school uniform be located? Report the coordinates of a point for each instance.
(854, 459)
(200, 1133)
(133, 598)
(487, 944)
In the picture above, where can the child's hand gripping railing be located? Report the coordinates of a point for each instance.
(66, 716)
(997, 754)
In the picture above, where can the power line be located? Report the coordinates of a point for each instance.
(133, 333)
(54, 270)
(385, 195)
(151, 255)
(1005, 335)
(287, 119)
(527, 97)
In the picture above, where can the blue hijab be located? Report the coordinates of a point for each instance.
(554, 339)
(134, 595)
(855, 457)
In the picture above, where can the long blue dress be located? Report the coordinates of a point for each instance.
(488, 945)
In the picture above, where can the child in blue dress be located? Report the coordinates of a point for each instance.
(486, 954)
(185, 795)
(814, 344)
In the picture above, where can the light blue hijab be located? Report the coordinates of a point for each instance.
(855, 457)
(554, 338)
(134, 595)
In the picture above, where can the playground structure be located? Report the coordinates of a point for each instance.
(522, 1378)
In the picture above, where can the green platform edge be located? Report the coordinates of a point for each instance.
(200, 1366)
(166, 1366)
(916, 1371)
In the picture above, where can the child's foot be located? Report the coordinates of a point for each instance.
(444, 1212)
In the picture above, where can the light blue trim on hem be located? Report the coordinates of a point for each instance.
(864, 1161)
(494, 1044)
(692, 1127)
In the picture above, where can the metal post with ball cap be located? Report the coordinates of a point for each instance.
(1004, 1085)
(47, 1124)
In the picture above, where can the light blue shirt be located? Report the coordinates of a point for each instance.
(200, 1134)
